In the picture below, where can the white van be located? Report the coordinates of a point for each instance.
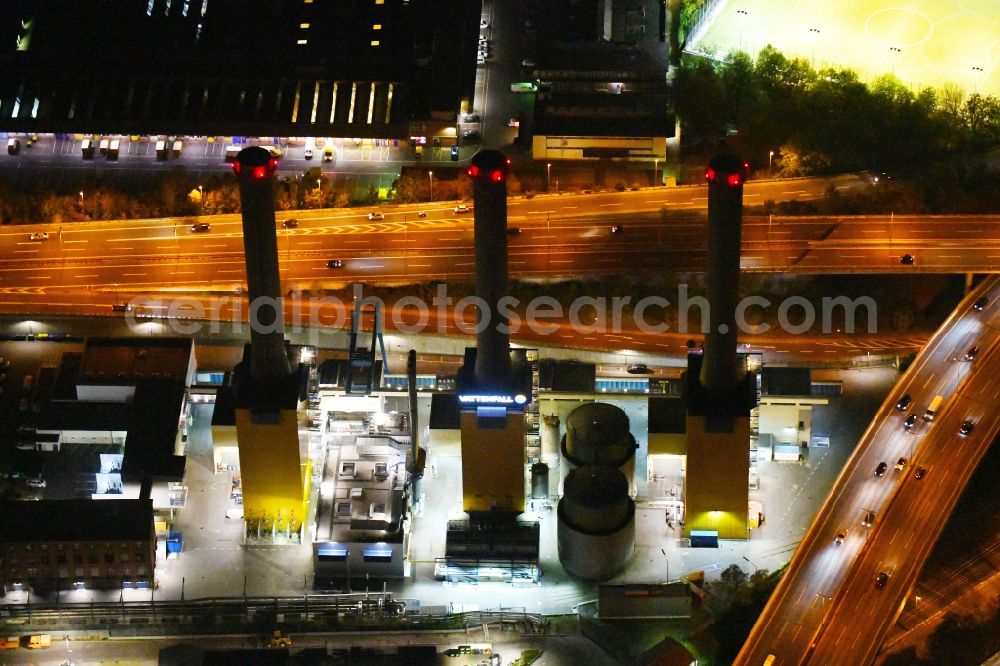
(161, 150)
(178, 147)
(104, 146)
(310, 147)
(113, 149)
(87, 148)
(232, 152)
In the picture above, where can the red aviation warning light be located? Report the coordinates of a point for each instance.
(490, 166)
(257, 171)
(727, 170)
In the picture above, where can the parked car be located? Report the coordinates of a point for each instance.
(454, 153)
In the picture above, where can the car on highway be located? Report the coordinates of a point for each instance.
(966, 427)
(901, 463)
(904, 402)
(513, 231)
(972, 353)
(328, 154)
(880, 469)
(121, 307)
(376, 216)
(868, 519)
(841, 535)
(421, 213)
(39, 236)
(920, 473)
(980, 303)
(881, 580)
(335, 263)
(617, 229)
(290, 223)
(483, 24)
(906, 260)
(200, 227)
(910, 421)
(638, 369)
(460, 208)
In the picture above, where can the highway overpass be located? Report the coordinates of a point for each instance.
(827, 608)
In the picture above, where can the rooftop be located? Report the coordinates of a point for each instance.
(76, 520)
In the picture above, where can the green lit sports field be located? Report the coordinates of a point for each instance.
(924, 42)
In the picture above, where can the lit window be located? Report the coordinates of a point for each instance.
(377, 26)
(379, 2)
(374, 42)
(302, 41)
(304, 26)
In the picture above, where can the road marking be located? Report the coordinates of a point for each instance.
(140, 274)
(41, 277)
(612, 204)
(87, 275)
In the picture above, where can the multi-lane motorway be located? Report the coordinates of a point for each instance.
(827, 608)
(558, 236)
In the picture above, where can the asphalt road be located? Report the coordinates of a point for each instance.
(827, 608)
(558, 236)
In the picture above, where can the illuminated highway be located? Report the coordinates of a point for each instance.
(828, 597)
(166, 255)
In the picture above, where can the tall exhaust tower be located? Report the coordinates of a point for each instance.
(719, 393)
(266, 391)
(494, 385)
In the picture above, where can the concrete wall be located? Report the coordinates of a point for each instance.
(274, 473)
(717, 488)
(493, 463)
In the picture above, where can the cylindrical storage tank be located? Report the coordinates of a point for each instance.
(539, 481)
(596, 523)
(598, 434)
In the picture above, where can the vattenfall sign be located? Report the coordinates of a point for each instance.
(496, 399)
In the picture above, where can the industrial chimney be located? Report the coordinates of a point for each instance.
(488, 171)
(721, 369)
(254, 169)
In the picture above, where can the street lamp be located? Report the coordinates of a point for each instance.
(770, 158)
(741, 14)
(548, 176)
(894, 50)
(82, 211)
(979, 72)
(201, 197)
(430, 177)
(814, 31)
(657, 181)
